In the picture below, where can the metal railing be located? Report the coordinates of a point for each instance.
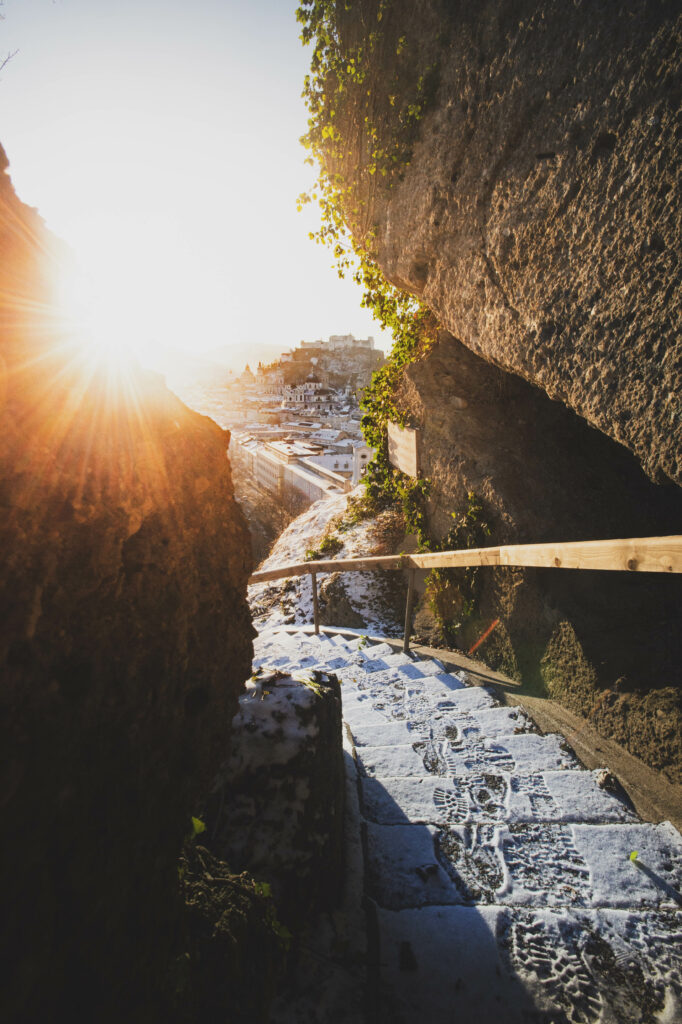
(639, 554)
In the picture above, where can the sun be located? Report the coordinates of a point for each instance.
(127, 297)
(91, 313)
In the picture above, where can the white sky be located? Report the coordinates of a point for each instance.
(160, 140)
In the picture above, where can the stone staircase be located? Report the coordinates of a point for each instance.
(500, 880)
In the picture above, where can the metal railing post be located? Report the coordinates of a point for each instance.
(316, 610)
(408, 610)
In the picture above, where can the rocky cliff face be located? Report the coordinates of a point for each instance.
(596, 640)
(124, 641)
(516, 165)
(539, 213)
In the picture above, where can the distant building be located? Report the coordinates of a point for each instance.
(277, 465)
(341, 341)
(300, 418)
(312, 396)
(338, 342)
(362, 456)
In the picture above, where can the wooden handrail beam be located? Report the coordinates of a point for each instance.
(333, 565)
(639, 554)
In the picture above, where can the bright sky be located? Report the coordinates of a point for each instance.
(160, 140)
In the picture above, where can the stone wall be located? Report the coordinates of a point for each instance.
(277, 807)
(125, 639)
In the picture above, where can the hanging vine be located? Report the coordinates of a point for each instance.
(362, 125)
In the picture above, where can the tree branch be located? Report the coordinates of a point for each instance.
(7, 59)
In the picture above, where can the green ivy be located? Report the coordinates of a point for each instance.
(282, 933)
(454, 592)
(366, 94)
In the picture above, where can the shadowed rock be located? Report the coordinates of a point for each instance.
(124, 642)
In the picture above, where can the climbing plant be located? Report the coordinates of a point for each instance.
(454, 592)
(366, 94)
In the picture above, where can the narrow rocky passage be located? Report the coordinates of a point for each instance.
(502, 881)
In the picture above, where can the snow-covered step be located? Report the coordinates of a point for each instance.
(368, 648)
(395, 760)
(446, 963)
(522, 753)
(655, 877)
(412, 796)
(440, 964)
(383, 735)
(359, 710)
(435, 698)
(525, 753)
(336, 662)
(398, 660)
(374, 650)
(422, 865)
(403, 869)
(507, 884)
(336, 640)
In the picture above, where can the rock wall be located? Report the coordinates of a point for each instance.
(125, 639)
(516, 165)
(539, 214)
(598, 641)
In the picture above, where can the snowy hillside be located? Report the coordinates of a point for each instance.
(358, 600)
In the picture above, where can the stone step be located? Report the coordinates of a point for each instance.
(498, 870)
(489, 963)
(536, 864)
(486, 797)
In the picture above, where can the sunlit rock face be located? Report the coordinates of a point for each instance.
(539, 215)
(124, 641)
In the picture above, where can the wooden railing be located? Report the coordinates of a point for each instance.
(639, 554)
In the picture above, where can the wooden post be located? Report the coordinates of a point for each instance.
(408, 610)
(316, 611)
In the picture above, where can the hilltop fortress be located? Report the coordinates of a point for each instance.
(322, 379)
(339, 362)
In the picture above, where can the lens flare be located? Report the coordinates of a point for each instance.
(90, 316)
